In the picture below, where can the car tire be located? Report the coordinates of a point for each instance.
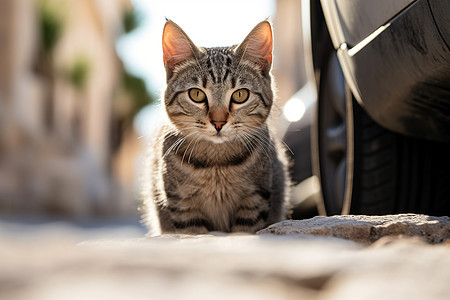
(364, 168)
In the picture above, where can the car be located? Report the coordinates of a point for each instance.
(379, 140)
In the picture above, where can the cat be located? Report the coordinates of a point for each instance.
(216, 165)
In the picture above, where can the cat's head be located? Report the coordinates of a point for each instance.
(218, 94)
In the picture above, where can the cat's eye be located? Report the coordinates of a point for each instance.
(197, 95)
(240, 96)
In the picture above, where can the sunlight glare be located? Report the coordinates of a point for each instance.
(294, 109)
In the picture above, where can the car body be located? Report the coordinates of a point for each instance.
(396, 62)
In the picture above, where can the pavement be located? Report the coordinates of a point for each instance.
(60, 260)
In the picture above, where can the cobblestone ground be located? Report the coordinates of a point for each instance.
(55, 261)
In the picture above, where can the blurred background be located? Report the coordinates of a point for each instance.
(79, 94)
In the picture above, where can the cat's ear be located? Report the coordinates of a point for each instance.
(258, 45)
(177, 46)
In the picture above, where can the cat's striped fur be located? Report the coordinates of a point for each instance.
(205, 176)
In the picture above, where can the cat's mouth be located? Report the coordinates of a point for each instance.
(218, 138)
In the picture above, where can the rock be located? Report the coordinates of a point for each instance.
(367, 229)
(48, 264)
(224, 267)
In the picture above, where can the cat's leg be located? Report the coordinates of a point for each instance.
(183, 221)
(250, 218)
(191, 226)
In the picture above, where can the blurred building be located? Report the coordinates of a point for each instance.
(66, 146)
(289, 62)
(61, 109)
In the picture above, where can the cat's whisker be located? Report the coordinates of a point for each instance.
(249, 144)
(179, 145)
(193, 147)
(170, 149)
(263, 144)
(251, 140)
(182, 130)
(257, 131)
(187, 122)
(164, 135)
(184, 139)
(241, 139)
(287, 147)
(185, 150)
(266, 130)
(196, 125)
(179, 140)
(260, 134)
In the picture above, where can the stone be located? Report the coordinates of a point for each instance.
(367, 229)
(50, 263)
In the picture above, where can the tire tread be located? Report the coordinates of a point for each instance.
(397, 174)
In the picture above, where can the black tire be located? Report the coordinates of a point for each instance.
(329, 137)
(367, 169)
(393, 173)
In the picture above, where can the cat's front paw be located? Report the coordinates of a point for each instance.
(192, 230)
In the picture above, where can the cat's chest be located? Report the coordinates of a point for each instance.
(215, 192)
(221, 186)
(220, 191)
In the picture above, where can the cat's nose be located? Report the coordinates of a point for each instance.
(218, 124)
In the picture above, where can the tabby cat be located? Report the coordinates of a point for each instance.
(216, 165)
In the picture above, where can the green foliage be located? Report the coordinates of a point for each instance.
(78, 72)
(51, 23)
(131, 20)
(136, 88)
